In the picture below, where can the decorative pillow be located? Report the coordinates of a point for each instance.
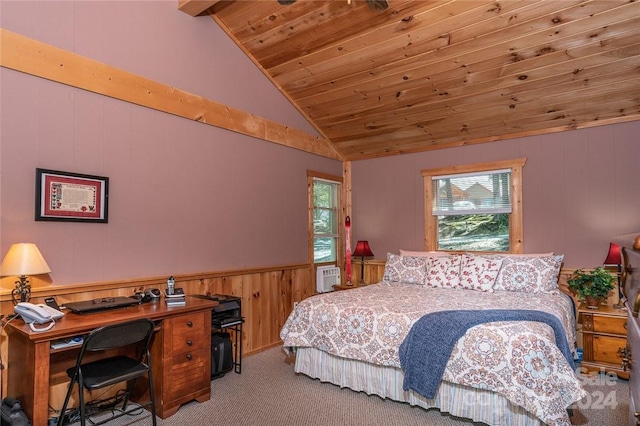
(479, 273)
(405, 269)
(443, 271)
(528, 274)
(423, 253)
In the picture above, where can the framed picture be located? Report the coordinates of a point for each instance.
(71, 197)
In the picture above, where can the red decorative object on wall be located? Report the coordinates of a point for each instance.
(347, 226)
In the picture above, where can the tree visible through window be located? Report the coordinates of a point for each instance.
(325, 226)
(474, 208)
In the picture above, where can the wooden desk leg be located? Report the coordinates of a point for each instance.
(29, 376)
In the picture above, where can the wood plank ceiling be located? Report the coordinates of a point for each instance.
(423, 75)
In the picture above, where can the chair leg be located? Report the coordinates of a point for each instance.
(152, 398)
(83, 410)
(66, 402)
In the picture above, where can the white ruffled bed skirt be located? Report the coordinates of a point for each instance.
(386, 382)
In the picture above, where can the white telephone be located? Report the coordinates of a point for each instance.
(39, 314)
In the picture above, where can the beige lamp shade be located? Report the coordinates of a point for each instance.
(23, 259)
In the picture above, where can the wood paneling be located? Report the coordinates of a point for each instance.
(268, 295)
(424, 75)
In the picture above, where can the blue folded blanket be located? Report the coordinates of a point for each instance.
(425, 351)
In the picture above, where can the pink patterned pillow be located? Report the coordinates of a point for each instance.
(405, 269)
(529, 274)
(479, 273)
(443, 271)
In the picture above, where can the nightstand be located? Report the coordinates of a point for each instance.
(604, 337)
(339, 287)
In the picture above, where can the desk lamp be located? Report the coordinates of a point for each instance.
(363, 250)
(23, 259)
(614, 257)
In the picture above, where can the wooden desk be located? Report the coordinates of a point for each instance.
(33, 364)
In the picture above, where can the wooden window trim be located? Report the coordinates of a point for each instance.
(516, 241)
(311, 175)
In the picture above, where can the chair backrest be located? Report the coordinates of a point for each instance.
(120, 334)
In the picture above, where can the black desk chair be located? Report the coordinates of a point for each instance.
(114, 369)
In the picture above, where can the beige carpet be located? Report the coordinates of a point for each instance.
(268, 392)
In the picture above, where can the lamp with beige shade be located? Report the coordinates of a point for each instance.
(21, 260)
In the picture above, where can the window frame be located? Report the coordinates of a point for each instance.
(516, 241)
(311, 176)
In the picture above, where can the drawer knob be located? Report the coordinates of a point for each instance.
(189, 324)
(625, 325)
(189, 357)
(189, 343)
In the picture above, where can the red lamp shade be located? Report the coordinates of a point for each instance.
(614, 257)
(362, 249)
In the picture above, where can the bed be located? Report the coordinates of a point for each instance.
(508, 372)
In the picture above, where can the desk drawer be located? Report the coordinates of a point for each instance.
(602, 324)
(188, 373)
(188, 333)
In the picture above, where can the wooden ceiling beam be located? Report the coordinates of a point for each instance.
(195, 7)
(39, 59)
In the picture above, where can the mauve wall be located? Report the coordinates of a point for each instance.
(580, 189)
(185, 197)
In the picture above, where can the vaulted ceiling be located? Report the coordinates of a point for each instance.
(424, 75)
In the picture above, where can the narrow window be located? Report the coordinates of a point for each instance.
(474, 208)
(324, 227)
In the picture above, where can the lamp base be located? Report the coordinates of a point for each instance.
(619, 305)
(22, 292)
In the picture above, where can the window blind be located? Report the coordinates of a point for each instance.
(487, 192)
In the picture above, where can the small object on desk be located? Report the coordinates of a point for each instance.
(170, 284)
(152, 295)
(175, 301)
(86, 306)
(177, 292)
(51, 301)
(65, 343)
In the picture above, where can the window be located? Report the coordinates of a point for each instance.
(474, 208)
(325, 226)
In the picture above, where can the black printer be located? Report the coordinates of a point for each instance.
(227, 313)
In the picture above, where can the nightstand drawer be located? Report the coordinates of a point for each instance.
(603, 324)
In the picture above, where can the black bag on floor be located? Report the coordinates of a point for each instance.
(221, 354)
(12, 414)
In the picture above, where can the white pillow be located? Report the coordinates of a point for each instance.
(443, 271)
(528, 274)
(479, 273)
(405, 269)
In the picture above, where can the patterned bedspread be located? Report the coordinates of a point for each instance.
(517, 359)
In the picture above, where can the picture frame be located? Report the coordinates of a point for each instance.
(71, 197)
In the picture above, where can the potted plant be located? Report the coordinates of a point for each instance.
(592, 286)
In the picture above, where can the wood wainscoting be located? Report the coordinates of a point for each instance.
(268, 295)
